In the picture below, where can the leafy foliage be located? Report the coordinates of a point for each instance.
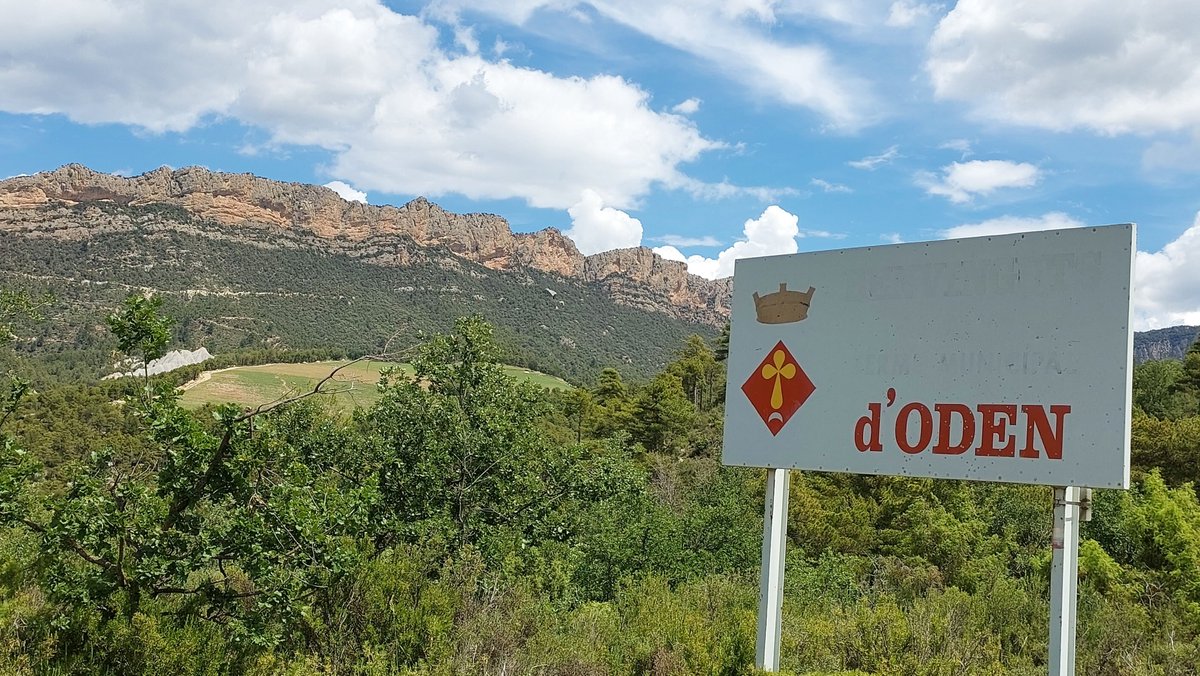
(140, 329)
(280, 294)
(471, 524)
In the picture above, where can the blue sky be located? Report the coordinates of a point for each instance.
(708, 130)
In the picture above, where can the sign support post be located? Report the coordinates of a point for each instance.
(950, 360)
(770, 600)
(1064, 577)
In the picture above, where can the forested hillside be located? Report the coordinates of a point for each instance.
(276, 294)
(247, 263)
(469, 524)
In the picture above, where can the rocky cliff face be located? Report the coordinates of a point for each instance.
(259, 210)
(641, 278)
(1168, 343)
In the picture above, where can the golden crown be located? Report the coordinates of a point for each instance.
(783, 306)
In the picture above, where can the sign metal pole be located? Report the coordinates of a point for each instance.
(866, 372)
(1064, 576)
(770, 600)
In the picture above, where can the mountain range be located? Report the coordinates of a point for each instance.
(248, 262)
(255, 207)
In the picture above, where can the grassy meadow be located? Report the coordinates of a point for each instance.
(352, 387)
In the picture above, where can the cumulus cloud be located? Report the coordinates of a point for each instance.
(1113, 66)
(960, 181)
(596, 228)
(773, 232)
(873, 162)
(687, 107)
(670, 253)
(734, 37)
(1007, 225)
(1167, 283)
(904, 13)
(399, 113)
(347, 192)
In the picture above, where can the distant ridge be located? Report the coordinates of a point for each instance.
(1169, 343)
(249, 204)
(252, 266)
(74, 205)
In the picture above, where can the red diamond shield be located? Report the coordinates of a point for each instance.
(778, 388)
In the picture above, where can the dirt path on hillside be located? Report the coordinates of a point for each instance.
(204, 377)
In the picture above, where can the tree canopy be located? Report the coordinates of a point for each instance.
(467, 523)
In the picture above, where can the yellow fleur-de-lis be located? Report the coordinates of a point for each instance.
(778, 370)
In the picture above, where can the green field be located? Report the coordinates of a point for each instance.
(352, 387)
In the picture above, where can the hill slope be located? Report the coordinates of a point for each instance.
(1168, 343)
(353, 386)
(244, 289)
(248, 208)
(250, 262)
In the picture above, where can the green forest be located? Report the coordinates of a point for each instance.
(468, 523)
(276, 296)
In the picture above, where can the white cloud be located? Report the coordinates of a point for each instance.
(372, 86)
(1176, 155)
(670, 253)
(960, 181)
(737, 38)
(681, 240)
(1167, 283)
(687, 107)
(465, 36)
(1006, 225)
(822, 234)
(1113, 66)
(725, 189)
(873, 162)
(892, 238)
(774, 232)
(347, 192)
(830, 187)
(961, 145)
(596, 228)
(904, 13)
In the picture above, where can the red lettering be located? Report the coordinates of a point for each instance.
(1036, 421)
(946, 424)
(902, 427)
(994, 429)
(862, 440)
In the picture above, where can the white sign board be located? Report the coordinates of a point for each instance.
(1003, 358)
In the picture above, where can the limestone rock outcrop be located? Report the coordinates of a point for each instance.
(70, 204)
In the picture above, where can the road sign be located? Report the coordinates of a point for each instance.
(1004, 358)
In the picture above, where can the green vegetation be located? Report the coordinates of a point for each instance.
(468, 522)
(353, 386)
(280, 294)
